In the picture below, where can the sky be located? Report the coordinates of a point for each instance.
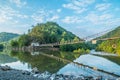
(81, 17)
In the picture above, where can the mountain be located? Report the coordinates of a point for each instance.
(110, 46)
(4, 36)
(49, 32)
(113, 33)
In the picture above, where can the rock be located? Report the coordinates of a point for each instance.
(5, 68)
(25, 73)
(80, 77)
(98, 78)
(35, 70)
(57, 77)
(52, 77)
(90, 78)
(37, 75)
(45, 75)
(68, 77)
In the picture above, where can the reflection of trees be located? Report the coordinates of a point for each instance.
(69, 55)
(43, 63)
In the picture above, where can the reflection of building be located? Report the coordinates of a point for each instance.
(35, 44)
(34, 53)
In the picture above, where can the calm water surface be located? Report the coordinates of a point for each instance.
(29, 60)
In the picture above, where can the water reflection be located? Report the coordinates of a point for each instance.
(29, 60)
(35, 59)
(19, 65)
(100, 63)
(6, 59)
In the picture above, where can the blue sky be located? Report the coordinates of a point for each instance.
(82, 17)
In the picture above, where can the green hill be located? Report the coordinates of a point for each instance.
(4, 36)
(111, 46)
(49, 32)
(113, 33)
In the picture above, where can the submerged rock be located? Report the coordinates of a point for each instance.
(45, 75)
(5, 68)
(35, 70)
(26, 73)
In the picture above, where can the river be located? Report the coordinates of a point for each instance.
(28, 60)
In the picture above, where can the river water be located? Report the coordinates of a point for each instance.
(28, 60)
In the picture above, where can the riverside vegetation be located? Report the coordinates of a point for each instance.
(50, 32)
(110, 46)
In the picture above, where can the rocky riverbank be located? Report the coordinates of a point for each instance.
(7, 73)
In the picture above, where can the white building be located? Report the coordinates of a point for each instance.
(35, 44)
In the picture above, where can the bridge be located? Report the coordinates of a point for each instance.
(85, 39)
(95, 69)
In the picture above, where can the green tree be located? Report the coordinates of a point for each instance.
(1, 46)
(14, 43)
(24, 40)
(62, 41)
(76, 39)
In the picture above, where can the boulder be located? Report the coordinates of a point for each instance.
(35, 70)
(5, 68)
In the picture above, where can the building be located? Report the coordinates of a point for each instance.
(35, 44)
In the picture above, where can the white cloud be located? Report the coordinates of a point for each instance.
(44, 15)
(38, 19)
(117, 9)
(72, 19)
(10, 20)
(22, 16)
(18, 3)
(103, 6)
(59, 10)
(93, 18)
(78, 6)
(39, 16)
(55, 17)
(7, 13)
(77, 9)
(4, 18)
(20, 29)
(113, 22)
(105, 17)
(83, 3)
(98, 19)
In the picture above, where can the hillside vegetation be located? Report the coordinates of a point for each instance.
(4, 36)
(113, 33)
(110, 46)
(49, 32)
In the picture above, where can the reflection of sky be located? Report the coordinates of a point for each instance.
(18, 65)
(6, 59)
(71, 69)
(99, 62)
(90, 60)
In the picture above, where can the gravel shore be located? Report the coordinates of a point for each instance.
(7, 73)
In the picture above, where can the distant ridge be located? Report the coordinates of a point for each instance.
(5, 36)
